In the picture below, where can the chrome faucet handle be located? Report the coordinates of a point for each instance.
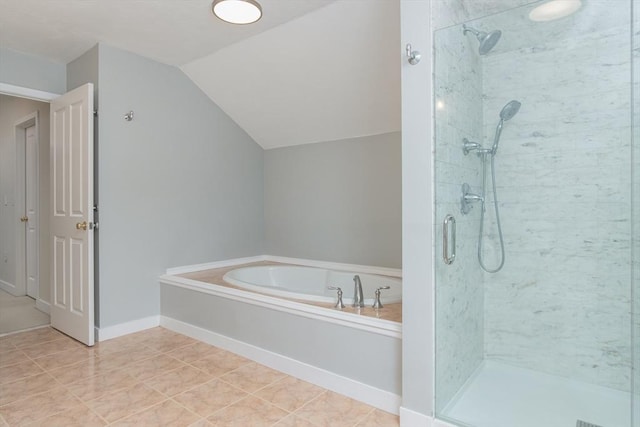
(339, 304)
(377, 304)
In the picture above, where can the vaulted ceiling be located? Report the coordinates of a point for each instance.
(328, 75)
(308, 71)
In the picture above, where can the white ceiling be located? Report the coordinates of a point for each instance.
(308, 71)
(328, 75)
(169, 31)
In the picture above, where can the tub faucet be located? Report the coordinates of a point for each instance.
(358, 300)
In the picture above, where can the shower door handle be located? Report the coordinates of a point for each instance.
(449, 255)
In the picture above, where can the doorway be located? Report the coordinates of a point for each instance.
(27, 195)
(24, 194)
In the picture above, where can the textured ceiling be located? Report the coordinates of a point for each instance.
(168, 31)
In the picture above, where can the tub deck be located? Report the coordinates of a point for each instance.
(391, 312)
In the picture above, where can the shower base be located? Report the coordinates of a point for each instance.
(499, 395)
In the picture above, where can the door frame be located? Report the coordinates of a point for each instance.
(20, 132)
(36, 95)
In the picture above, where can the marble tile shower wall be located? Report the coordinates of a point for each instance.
(636, 203)
(459, 295)
(561, 304)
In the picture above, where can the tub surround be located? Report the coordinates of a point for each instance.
(356, 352)
(390, 312)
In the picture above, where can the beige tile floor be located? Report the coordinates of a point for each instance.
(19, 313)
(158, 378)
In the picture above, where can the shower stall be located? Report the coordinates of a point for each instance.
(537, 304)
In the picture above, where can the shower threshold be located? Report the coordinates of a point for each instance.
(500, 395)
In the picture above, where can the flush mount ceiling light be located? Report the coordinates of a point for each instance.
(554, 9)
(237, 11)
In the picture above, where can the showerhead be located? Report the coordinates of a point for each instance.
(487, 40)
(507, 113)
(510, 110)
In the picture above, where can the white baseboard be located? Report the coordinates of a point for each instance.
(7, 287)
(43, 306)
(115, 331)
(380, 399)
(24, 330)
(409, 418)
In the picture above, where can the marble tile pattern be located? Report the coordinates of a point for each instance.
(158, 378)
(459, 293)
(636, 203)
(562, 302)
(391, 312)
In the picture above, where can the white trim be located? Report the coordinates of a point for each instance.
(20, 140)
(43, 306)
(410, 418)
(25, 92)
(369, 324)
(7, 287)
(115, 331)
(381, 399)
(211, 265)
(393, 272)
(24, 330)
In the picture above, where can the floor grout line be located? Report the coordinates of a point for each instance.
(161, 339)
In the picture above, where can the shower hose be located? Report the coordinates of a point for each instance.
(495, 204)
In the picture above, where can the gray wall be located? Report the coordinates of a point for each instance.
(369, 358)
(336, 201)
(180, 184)
(12, 110)
(20, 69)
(84, 69)
(417, 217)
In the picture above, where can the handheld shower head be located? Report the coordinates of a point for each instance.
(507, 113)
(487, 40)
(510, 110)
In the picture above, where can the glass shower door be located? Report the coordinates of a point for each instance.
(535, 158)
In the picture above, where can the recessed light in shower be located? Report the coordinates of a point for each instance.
(554, 9)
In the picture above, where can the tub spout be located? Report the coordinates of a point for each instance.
(358, 299)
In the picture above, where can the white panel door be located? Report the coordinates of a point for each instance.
(31, 210)
(72, 214)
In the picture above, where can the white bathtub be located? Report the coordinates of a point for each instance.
(311, 284)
